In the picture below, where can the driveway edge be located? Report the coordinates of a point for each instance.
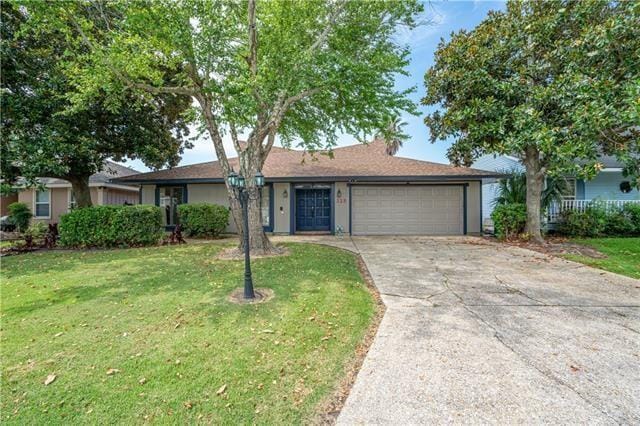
(330, 409)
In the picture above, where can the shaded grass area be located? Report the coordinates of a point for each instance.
(623, 255)
(160, 317)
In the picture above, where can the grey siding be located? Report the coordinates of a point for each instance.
(606, 186)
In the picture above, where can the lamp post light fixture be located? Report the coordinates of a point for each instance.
(239, 184)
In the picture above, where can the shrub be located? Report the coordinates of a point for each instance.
(597, 221)
(111, 226)
(633, 213)
(203, 219)
(590, 223)
(36, 230)
(509, 220)
(20, 215)
(618, 222)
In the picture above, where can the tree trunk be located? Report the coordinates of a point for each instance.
(81, 192)
(535, 180)
(251, 160)
(259, 243)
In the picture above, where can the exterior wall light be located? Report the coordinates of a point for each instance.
(259, 179)
(285, 194)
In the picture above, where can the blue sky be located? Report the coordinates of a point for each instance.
(444, 18)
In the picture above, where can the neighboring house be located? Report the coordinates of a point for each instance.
(361, 190)
(56, 199)
(609, 186)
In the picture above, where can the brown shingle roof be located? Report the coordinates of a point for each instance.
(110, 171)
(350, 162)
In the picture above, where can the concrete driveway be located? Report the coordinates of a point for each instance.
(477, 332)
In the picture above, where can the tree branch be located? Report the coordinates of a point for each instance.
(270, 141)
(252, 60)
(178, 90)
(295, 98)
(253, 39)
(212, 126)
(322, 37)
(234, 138)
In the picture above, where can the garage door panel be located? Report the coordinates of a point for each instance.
(419, 210)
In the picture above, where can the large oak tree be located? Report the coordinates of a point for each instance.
(45, 134)
(303, 71)
(555, 83)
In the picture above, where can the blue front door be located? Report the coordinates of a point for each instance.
(313, 209)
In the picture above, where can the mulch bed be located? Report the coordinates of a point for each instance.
(556, 246)
(330, 408)
(261, 295)
(232, 253)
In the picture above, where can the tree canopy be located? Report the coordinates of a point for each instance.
(556, 83)
(301, 70)
(45, 134)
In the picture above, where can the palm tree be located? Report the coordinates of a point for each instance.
(394, 135)
(513, 189)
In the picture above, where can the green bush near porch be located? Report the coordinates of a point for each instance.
(596, 221)
(111, 226)
(203, 219)
(509, 220)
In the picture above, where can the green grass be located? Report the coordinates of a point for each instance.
(161, 314)
(623, 255)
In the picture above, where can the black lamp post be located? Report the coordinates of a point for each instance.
(238, 182)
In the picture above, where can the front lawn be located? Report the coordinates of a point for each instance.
(147, 335)
(623, 255)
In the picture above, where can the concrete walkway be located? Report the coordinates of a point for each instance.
(477, 332)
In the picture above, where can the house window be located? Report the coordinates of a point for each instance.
(569, 192)
(264, 206)
(43, 203)
(169, 199)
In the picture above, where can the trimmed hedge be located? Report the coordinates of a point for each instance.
(596, 221)
(112, 226)
(203, 219)
(509, 220)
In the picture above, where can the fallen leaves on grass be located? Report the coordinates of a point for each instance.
(222, 389)
(112, 371)
(50, 379)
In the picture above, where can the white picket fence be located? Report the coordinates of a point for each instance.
(556, 209)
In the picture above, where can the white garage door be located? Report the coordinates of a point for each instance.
(407, 209)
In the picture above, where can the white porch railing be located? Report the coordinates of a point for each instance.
(556, 209)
